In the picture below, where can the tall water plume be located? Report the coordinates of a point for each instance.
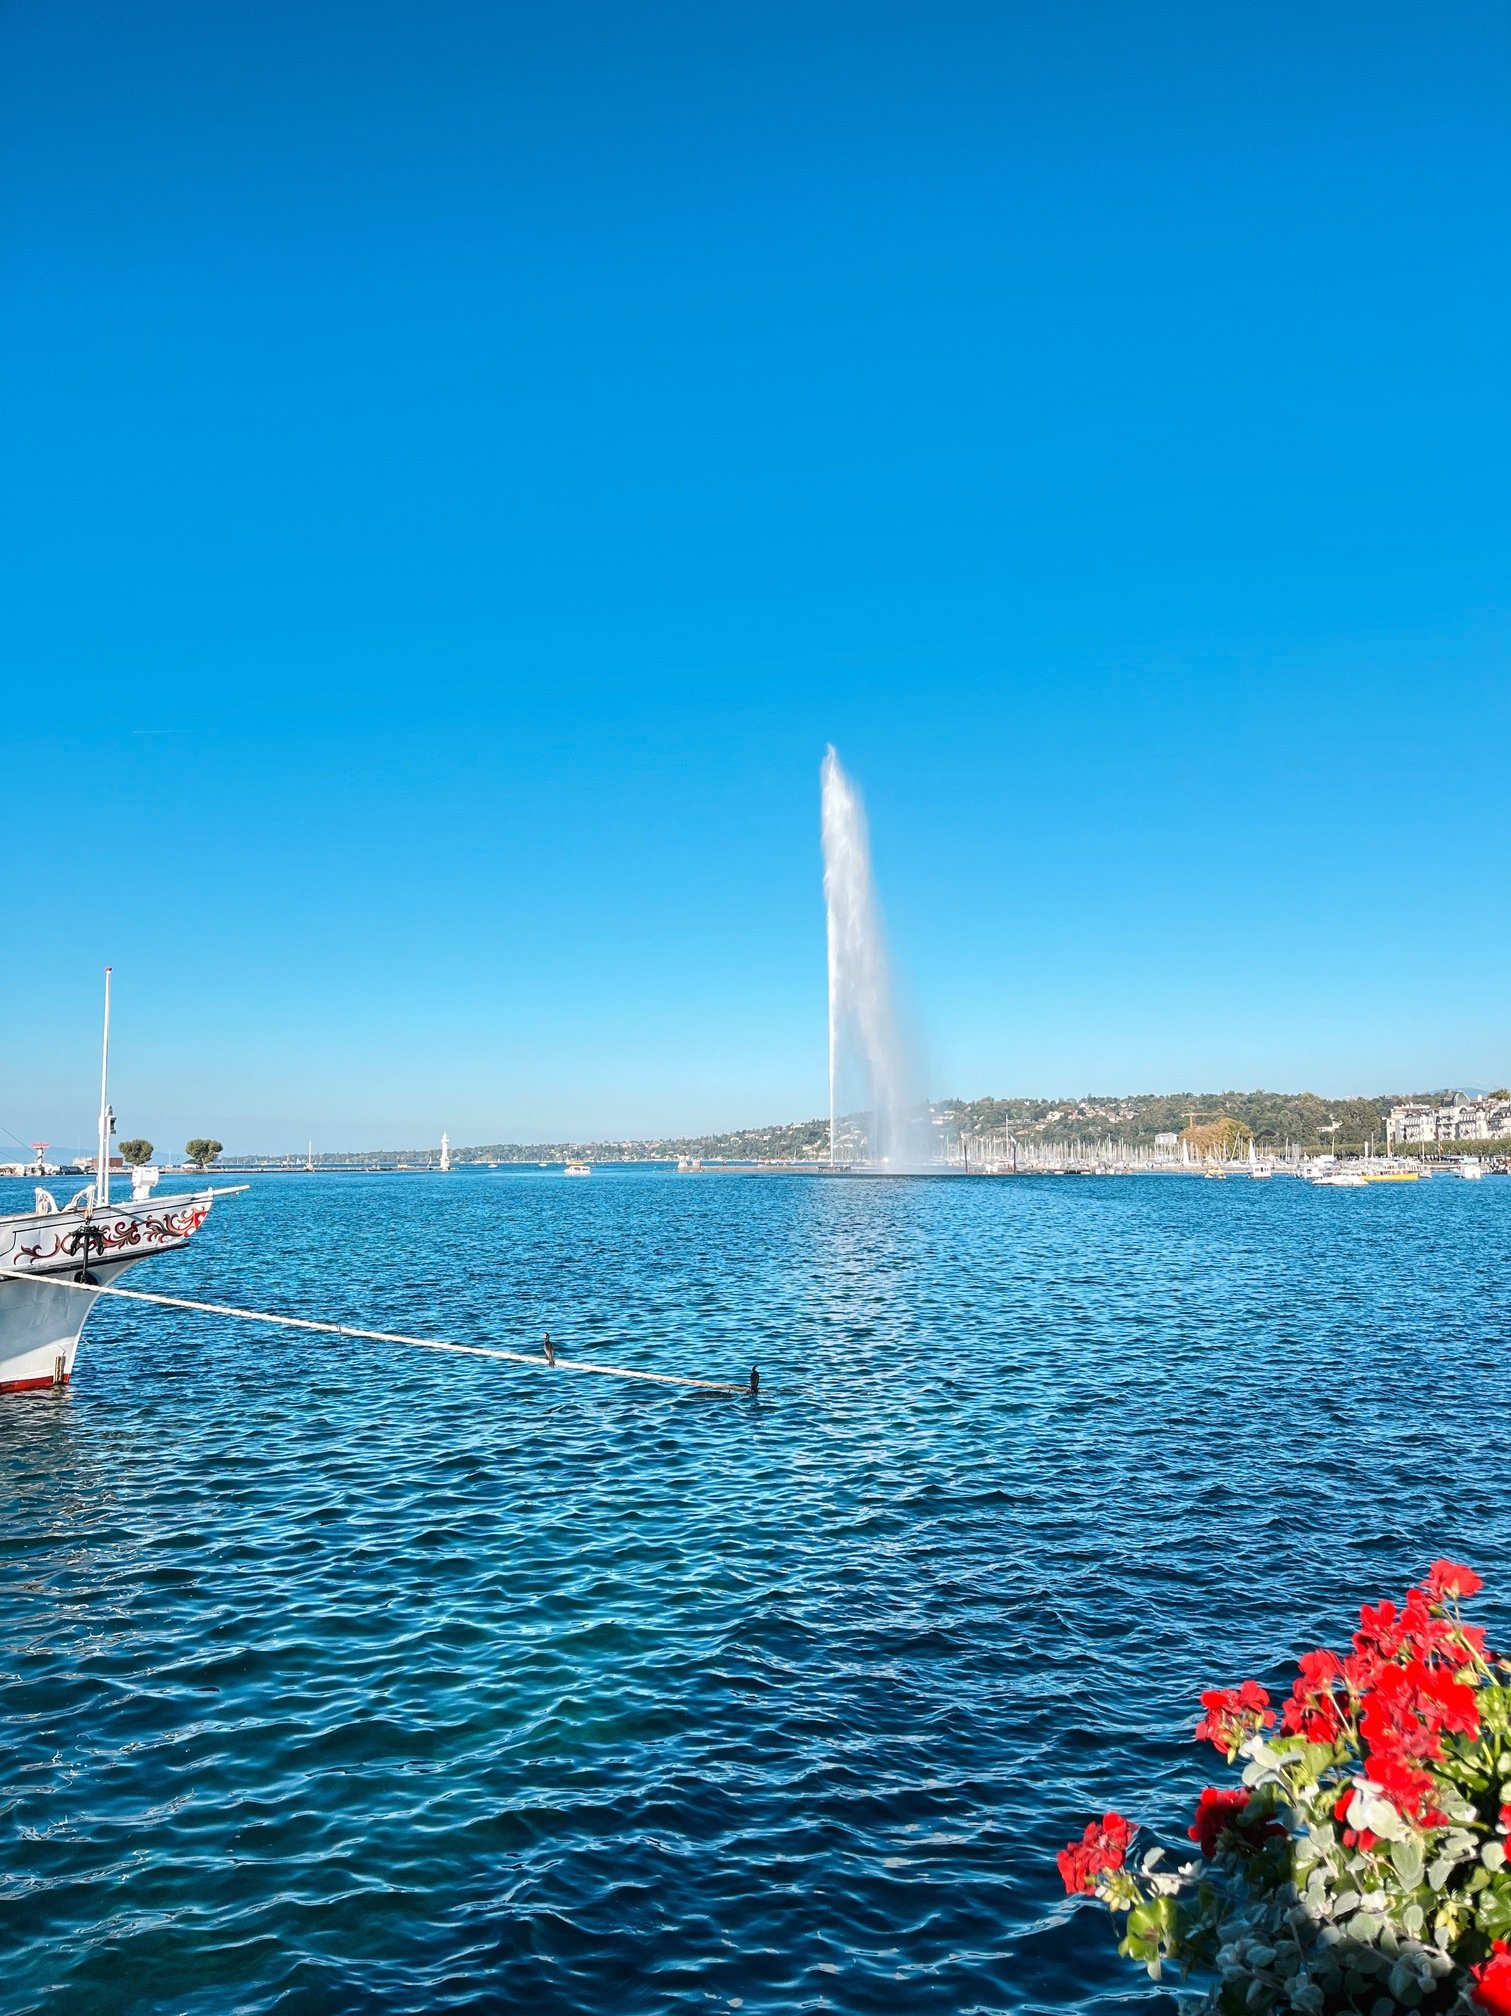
(864, 1038)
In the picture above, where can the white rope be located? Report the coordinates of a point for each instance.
(381, 1336)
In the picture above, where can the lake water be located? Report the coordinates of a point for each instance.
(342, 1677)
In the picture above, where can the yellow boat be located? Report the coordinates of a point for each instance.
(1392, 1176)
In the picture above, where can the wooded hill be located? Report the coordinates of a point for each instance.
(1273, 1118)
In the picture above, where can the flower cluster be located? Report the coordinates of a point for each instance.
(1408, 1683)
(1102, 1849)
(1361, 1865)
(1233, 1715)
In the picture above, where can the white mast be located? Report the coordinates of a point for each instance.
(107, 1118)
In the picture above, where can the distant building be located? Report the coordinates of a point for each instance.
(1458, 1119)
(1165, 1140)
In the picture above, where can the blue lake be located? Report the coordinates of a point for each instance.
(347, 1677)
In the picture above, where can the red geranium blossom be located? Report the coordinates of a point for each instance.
(1492, 1981)
(1413, 1706)
(1219, 1812)
(1408, 1788)
(1216, 1810)
(1103, 1846)
(1316, 1710)
(1452, 1578)
(1234, 1714)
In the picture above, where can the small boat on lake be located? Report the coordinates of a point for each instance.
(52, 1255)
(578, 1169)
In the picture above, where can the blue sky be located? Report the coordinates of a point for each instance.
(465, 462)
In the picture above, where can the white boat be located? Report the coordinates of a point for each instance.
(1471, 1169)
(89, 1243)
(578, 1169)
(1341, 1179)
(1258, 1170)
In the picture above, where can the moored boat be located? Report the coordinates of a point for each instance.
(52, 1256)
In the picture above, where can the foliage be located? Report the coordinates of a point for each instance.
(798, 1141)
(136, 1152)
(1273, 1118)
(1361, 1864)
(1224, 1138)
(201, 1152)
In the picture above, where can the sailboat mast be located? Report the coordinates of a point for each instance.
(102, 1167)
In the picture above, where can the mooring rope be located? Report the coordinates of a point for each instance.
(550, 1359)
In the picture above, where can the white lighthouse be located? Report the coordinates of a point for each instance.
(445, 1151)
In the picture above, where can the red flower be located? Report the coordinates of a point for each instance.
(1451, 1578)
(1223, 1812)
(1234, 1714)
(1103, 1846)
(1408, 1788)
(1506, 1817)
(1492, 1981)
(1315, 1709)
(1413, 1706)
(1215, 1811)
(1415, 1631)
(1380, 1631)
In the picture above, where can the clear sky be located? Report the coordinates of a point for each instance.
(463, 462)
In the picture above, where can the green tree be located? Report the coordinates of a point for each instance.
(202, 1153)
(135, 1153)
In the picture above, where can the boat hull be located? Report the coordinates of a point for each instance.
(63, 1254)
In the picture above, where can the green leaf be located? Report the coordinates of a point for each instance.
(1406, 1856)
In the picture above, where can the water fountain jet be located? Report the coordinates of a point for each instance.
(862, 1015)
